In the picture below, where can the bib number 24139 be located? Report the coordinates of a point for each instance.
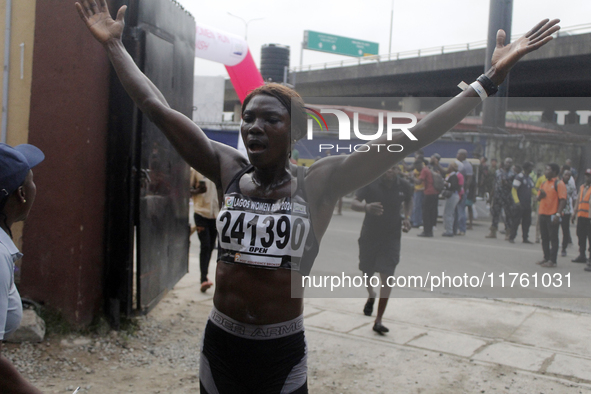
(264, 234)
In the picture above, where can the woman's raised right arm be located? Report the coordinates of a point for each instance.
(189, 140)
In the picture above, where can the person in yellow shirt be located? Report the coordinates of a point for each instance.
(206, 206)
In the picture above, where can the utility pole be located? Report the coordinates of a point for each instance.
(494, 109)
(391, 27)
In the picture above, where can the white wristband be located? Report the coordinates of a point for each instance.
(479, 89)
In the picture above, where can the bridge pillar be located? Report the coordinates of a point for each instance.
(549, 116)
(494, 111)
(571, 118)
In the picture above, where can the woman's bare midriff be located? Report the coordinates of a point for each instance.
(257, 296)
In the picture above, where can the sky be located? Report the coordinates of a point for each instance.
(417, 23)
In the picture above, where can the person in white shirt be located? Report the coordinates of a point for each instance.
(17, 194)
(464, 168)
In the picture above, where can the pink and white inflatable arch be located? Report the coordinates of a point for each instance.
(232, 51)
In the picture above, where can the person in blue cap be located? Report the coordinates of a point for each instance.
(17, 194)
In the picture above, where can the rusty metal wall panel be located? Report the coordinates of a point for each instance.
(63, 238)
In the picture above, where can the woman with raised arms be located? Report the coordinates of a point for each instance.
(254, 339)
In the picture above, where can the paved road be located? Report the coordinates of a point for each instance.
(566, 286)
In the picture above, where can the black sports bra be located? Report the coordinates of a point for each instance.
(266, 233)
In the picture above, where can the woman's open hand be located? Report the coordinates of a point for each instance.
(505, 56)
(99, 21)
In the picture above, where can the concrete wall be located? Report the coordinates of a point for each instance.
(208, 99)
(22, 32)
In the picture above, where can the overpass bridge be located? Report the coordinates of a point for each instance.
(561, 69)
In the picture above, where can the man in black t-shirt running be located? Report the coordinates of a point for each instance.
(379, 242)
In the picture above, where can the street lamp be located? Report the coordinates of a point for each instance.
(245, 23)
(391, 28)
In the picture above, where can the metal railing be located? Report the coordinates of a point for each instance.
(439, 50)
(227, 126)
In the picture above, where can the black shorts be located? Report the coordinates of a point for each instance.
(233, 363)
(379, 255)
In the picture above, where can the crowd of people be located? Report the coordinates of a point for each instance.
(515, 192)
(408, 195)
(452, 182)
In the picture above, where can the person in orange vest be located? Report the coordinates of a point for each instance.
(552, 198)
(581, 213)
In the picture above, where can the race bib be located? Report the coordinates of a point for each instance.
(260, 238)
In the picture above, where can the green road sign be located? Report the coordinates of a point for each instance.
(323, 42)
